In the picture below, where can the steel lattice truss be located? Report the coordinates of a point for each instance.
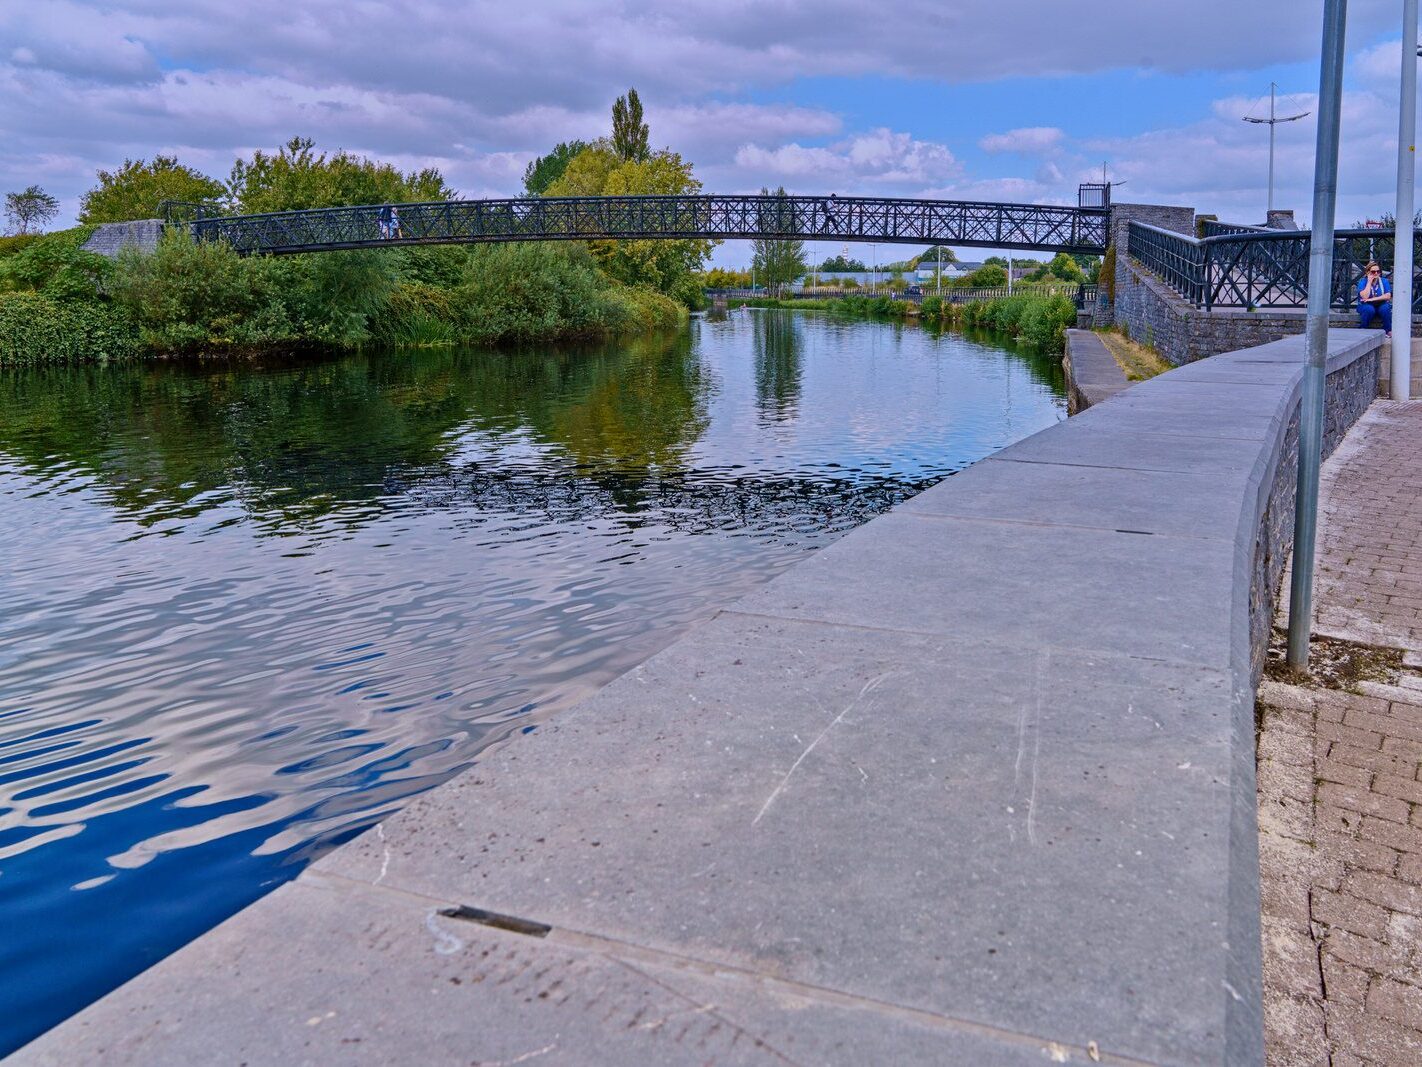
(824, 218)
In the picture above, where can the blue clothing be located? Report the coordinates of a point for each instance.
(1368, 312)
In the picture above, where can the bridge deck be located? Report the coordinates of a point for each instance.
(820, 218)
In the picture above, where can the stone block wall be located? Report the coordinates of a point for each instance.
(1351, 388)
(112, 237)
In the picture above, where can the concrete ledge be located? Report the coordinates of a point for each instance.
(975, 784)
(1092, 373)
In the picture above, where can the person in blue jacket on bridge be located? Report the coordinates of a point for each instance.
(1375, 299)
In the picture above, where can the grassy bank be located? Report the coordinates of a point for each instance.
(59, 304)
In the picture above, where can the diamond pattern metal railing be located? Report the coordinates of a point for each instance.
(1261, 268)
(832, 218)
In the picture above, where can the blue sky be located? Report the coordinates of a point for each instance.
(947, 98)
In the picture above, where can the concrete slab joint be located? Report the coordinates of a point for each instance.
(974, 784)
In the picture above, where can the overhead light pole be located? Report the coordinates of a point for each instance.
(1400, 380)
(1320, 296)
(1271, 122)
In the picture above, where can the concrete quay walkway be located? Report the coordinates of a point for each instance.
(1093, 375)
(975, 784)
(1340, 795)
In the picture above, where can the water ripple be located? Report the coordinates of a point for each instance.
(250, 610)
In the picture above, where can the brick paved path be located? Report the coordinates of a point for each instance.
(1340, 798)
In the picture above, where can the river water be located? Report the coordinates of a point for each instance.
(249, 609)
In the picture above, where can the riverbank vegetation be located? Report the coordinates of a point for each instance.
(1037, 319)
(59, 303)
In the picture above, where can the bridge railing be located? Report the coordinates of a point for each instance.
(833, 218)
(1261, 269)
(1177, 260)
(1216, 228)
(186, 212)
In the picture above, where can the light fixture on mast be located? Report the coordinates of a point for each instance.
(1271, 122)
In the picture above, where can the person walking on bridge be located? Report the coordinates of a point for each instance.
(1375, 299)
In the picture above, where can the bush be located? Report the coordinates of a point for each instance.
(418, 315)
(56, 265)
(535, 291)
(36, 329)
(190, 294)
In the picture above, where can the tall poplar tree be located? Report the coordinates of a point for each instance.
(629, 133)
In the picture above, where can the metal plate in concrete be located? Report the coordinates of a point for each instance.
(294, 979)
(1106, 498)
(1021, 837)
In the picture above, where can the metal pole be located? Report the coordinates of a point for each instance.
(1400, 381)
(1272, 123)
(1320, 295)
(939, 287)
(1009, 262)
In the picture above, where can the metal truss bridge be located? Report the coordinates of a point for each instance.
(813, 218)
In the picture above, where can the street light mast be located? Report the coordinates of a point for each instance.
(1271, 122)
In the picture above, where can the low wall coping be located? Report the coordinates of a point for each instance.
(975, 783)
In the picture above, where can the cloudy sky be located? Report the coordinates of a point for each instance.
(950, 98)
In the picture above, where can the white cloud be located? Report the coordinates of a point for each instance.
(1028, 140)
(866, 162)
(478, 88)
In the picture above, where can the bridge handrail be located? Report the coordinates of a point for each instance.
(1260, 269)
(901, 220)
(1216, 228)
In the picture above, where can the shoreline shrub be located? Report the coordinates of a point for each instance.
(36, 329)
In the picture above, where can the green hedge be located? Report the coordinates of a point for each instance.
(36, 329)
(1033, 319)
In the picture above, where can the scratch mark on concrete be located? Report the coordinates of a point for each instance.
(869, 687)
(446, 944)
(518, 1059)
(1030, 719)
(385, 860)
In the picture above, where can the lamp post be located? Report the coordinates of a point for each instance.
(1320, 295)
(1271, 122)
(1400, 380)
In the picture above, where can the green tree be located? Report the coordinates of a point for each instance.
(29, 209)
(842, 263)
(136, 190)
(1066, 268)
(988, 276)
(777, 261)
(629, 133)
(669, 267)
(298, 176)
(930, 256)
(545, 170)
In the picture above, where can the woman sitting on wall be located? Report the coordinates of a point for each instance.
(1375, 299)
